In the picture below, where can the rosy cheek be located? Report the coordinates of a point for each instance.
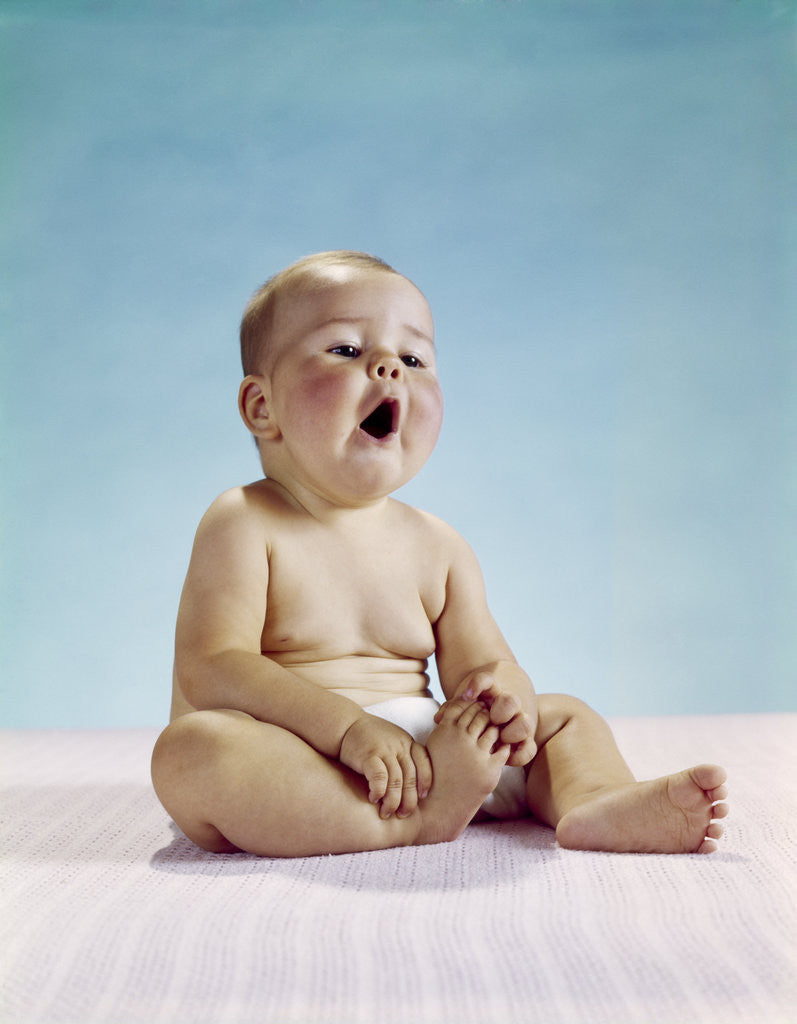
(432, 411)
(317, 399)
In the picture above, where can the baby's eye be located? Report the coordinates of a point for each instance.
(412, 361)
(347, 351)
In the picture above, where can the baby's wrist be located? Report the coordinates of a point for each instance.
(356, 720)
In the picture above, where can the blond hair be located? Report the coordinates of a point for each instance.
(298, 278)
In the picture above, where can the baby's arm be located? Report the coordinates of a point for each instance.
(218, 661)
(474, 660)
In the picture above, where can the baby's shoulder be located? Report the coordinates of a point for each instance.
(250, 508)
(434, 532)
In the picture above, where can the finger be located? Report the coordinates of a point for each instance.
(392, 798)
(377, 776)
(504, 708)
(481, 685)
(517, 730)
(409, 786)
(522, 754)
(423, 769)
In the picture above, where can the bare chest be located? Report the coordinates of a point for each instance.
(335, 600)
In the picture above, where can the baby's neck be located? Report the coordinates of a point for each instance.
(328, 510)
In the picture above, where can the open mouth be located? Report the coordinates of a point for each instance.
(381, 421)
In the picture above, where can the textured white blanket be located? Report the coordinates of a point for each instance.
(112, 916)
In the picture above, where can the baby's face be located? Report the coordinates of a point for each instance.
(354, 386)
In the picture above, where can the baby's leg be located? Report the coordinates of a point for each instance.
(233, 783)
(579, 784)
(466, 768)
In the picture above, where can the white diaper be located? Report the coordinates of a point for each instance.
(416, 716)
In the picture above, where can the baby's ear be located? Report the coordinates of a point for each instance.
(254, 406)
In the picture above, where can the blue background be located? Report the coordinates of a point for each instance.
(598, 201)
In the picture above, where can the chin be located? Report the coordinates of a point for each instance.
(364, 492)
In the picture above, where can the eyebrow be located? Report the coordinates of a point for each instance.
(361, 319)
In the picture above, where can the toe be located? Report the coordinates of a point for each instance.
(488, 738)
(709, 776)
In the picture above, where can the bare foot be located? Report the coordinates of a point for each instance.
(674, 814)
(466, 769)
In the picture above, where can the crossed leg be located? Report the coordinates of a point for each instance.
(233, 783)
(580, 785)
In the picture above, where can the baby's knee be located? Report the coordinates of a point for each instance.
(555, 710)
(184, 754)
(187, 744)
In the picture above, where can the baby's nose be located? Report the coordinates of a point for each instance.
(386, 367)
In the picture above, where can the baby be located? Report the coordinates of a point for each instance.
(301, 720)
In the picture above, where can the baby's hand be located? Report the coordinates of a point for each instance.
(516, 726)
(398, 770)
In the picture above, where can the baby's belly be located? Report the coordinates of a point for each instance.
(365, 680)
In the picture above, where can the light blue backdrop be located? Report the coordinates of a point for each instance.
(597, 200)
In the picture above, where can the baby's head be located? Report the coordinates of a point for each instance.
(291, 285)
(340, 388)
